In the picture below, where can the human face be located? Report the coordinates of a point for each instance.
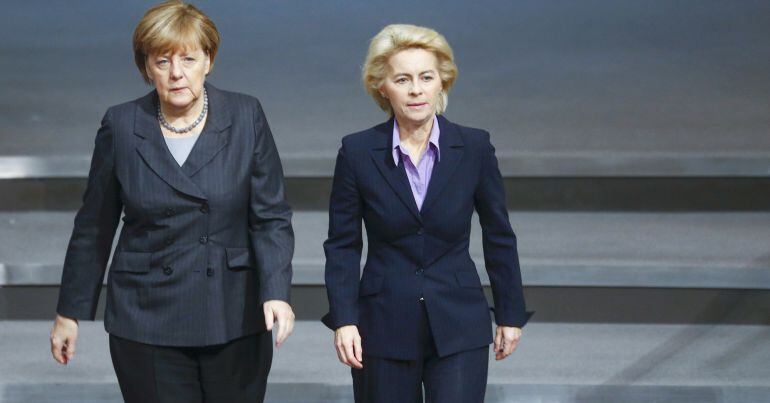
(179, 76)
(412, 85)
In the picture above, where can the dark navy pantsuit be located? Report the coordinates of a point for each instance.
(418, 304)
(456, 378)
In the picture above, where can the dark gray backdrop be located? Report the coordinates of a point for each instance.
(575, 77)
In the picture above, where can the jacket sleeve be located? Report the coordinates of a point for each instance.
(270, 231)
(499, 241)
(343, 246)
(93, 231)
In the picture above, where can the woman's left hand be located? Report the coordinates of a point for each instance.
(506, 340)
(281, 312)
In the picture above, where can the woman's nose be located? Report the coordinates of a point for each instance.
(176, 71)
(415, 89)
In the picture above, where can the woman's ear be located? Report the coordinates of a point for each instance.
(207, 60)
(147, 69)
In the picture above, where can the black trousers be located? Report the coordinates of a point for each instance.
(457, 378)
(227, 373)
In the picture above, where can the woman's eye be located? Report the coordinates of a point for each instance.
(162, 63)
(427, 78)
(189, 59)
(401, 80)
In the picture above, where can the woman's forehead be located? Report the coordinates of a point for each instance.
(412, 60)
(174, 42)
(176, 49)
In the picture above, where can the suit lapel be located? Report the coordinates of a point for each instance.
(451, 146)
(214, 136)
(154, 151)
(382, 154)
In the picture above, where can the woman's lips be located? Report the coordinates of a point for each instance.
(417, 106)
(177, 89)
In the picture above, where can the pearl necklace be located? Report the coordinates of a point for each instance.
(168, 126)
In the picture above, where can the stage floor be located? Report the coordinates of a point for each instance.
(562, 362)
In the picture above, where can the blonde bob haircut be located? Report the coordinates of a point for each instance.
(170, 27)
(395, 38)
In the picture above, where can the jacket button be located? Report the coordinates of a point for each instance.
(203, 239)
(419, 272)
(167, 270)
(169, 212)
(209, 271)
(169, 240)
(204, 208)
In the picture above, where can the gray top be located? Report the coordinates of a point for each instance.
(180, 147)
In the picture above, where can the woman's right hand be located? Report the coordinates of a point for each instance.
(348, 344)
(64, 335)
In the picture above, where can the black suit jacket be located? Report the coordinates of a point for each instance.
(414, 254)
(202, 245)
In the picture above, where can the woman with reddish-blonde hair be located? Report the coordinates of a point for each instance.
(202, 268)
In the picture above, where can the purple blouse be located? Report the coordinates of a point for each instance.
(419, 175)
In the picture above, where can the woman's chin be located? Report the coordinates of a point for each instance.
(179, 101)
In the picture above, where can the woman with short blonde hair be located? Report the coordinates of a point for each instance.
(202, 267)
(418, 317)
(397, 37)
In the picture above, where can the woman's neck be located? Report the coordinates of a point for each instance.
(415, 133)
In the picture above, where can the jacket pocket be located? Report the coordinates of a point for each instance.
(132, 262)
(468, 279)
(239, 258)
(370, 285)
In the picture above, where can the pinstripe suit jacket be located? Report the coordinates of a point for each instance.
(419, 253)
(202, 245)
